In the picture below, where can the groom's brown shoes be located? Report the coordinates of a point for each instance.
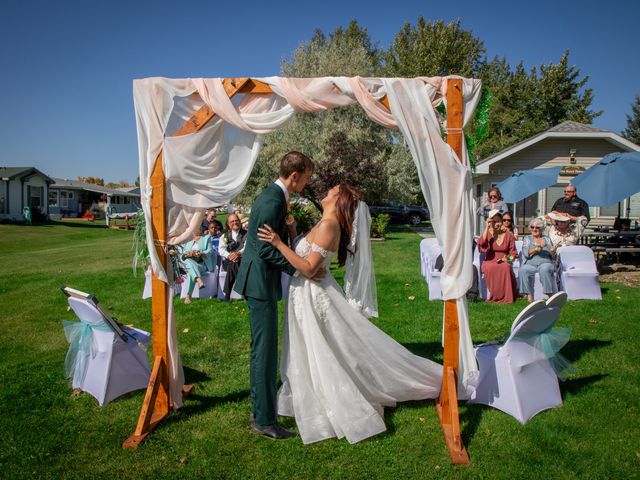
(273, 431)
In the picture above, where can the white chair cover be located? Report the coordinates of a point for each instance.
(430, 251)
(222, 276)
(211, 287)
(578, 273)
(106, 366)
(146, 291)
(518, 378)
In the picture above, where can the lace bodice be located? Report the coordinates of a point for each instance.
(304, 248)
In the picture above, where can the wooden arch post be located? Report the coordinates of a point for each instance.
(157, 402)
(447, 403)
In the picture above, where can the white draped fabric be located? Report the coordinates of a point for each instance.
(212, 166)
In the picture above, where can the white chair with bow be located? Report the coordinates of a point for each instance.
(521, 376)
(104, 359)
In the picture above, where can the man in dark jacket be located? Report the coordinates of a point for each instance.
(572, 206)
(259, 281)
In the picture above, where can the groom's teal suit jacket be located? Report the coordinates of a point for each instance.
(259, 273)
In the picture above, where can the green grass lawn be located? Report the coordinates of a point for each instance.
(48, 434)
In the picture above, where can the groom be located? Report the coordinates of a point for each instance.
(259, 281)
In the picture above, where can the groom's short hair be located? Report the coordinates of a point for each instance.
(294, 162)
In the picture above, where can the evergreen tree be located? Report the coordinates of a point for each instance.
(525, 104)
(632, 132)
(434, 49)
(560, 95)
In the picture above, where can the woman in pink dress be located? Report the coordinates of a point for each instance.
(499, 246)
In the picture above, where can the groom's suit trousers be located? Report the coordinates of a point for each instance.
(263, 321)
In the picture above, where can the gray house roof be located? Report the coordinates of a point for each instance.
(574, 127)
(13, 173)
(63, 183)
(568, 129)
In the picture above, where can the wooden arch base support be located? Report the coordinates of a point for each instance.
(447, 403)
(152, 412)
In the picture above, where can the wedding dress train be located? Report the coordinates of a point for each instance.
(338, 369)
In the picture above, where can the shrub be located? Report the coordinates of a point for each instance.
(306, 216)
(379, 225)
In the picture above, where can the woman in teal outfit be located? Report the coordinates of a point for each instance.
(194, 254)
(538, 253)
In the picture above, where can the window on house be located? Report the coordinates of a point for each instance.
(64, 199)
(53, 198)
(553, 194)
(634, 210)
(611, 210)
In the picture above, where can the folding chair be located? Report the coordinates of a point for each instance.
(211, 287)
(105, 359)
(517, 377)
(429, 252)
(578, 273)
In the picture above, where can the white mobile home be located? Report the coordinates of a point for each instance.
(23, 187)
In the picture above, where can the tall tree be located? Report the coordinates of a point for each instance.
(527, 103)
(333, 139)
(561, 95)
(632, 132)
(434, 49)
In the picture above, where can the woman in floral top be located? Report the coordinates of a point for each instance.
(538, 253)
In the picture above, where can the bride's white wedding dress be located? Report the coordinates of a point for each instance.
(338, 369)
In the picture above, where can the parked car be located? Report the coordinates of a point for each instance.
(400, 213)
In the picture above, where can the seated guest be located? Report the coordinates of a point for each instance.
(538, 253)
(213, 237)
(210, 217)
(231, 249)
(507, 223)
(499, 247)
(194, 253)
(560, 231)
(244, 220)
(494, 201)
(572, 206)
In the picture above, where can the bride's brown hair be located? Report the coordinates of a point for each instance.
(348, 198)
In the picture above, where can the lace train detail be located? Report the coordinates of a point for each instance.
(338, 369)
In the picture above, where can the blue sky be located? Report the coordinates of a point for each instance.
(67, 66)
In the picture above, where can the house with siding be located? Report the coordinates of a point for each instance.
(72, 199)
(23, 187)
(571, 145)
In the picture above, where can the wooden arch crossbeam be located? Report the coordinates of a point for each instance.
(157, 402)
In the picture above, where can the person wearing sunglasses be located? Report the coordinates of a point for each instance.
(572, 206)
(507, 223)
(538, 257)
(499, 247)
(493, 201)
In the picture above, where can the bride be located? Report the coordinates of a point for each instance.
(338, 369)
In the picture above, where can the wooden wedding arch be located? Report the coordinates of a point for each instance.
(157, 402)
